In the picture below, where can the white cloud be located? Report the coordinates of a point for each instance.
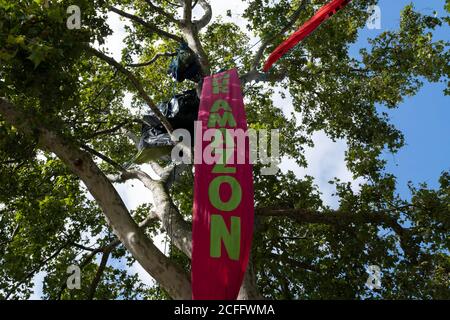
(326, 160)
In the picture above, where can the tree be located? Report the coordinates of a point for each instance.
(65, 134)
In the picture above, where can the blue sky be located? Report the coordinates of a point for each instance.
(424, 118)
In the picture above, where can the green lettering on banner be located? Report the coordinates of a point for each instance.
(223, 138)
(216, 118)
(227, 154)
(220, 85)
(220, 104)
(214, 193)
(231, 239)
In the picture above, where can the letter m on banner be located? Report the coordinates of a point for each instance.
(223, 193)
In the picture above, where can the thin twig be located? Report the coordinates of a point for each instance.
(136, 83)
(104, 158)
(293, 19)
(153, 60)
(162, 12)
(36, 269)
(98, 275)
(146, 24)
(111, 130)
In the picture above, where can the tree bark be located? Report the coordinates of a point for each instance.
(170, 275)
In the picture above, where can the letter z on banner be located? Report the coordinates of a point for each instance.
(223, 192)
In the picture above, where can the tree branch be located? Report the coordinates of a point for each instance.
(136, 83)
(187, 11)
(172, 221)
(153, 60)
(176, 5)
(104, 158)
(36, 269)
(340, 218)
(257, 76)
(98, 275)
(108, 248)
(80, 246)
(11, 238)
(295, 263)
(133, 137)
(162, 12)
(169, 274)
(146, 24)
(292, 20)
(191, 34)
(249, 289)
(207, 16)
(111, 130)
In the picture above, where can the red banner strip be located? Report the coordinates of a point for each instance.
(305, 30)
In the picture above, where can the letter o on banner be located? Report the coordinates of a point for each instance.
(214, 193)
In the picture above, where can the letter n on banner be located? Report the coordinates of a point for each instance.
(223, 194)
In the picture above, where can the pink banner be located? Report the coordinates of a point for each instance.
(223, 192)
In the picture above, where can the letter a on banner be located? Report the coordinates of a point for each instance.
(223, 193)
